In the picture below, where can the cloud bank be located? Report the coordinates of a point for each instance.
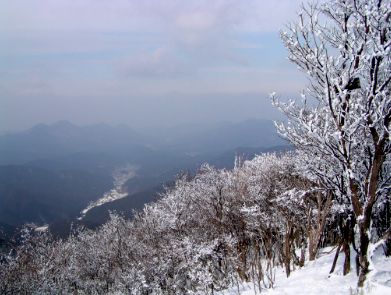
(96, 52)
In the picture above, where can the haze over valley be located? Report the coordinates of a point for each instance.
(89, 87)
(62, 173)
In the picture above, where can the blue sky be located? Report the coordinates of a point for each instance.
(142, 62)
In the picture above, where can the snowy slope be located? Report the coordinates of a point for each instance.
(314, 279)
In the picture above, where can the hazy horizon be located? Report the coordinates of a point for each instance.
(190, 125)
(142, 64)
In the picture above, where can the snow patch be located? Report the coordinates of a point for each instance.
(42, 228)
(120, 176)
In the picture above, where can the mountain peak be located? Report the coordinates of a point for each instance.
(62, 124)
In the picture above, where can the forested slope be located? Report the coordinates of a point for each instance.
(205, 234)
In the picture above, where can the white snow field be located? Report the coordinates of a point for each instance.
(314, 278)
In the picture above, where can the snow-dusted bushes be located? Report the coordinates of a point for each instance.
(91, 262)
(206, 233)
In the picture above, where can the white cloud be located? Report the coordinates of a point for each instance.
(135, 15)
(203, 29)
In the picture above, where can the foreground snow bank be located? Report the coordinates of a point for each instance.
(314, 278)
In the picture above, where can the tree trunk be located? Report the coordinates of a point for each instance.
(346, 265)
(335, 259)
(242, 266)
(312, 249)
(315, 232)
(287, 250)
(364, 223)
(302, 257)
(363, 258)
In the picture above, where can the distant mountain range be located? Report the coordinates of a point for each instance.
(49, 173)
(201, 138)
(63, 138)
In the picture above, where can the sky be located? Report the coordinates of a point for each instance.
(142, 63)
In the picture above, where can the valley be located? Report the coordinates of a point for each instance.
(63, 174)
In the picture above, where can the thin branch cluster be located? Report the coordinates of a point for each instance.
(343, 122)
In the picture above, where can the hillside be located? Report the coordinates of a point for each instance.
(207, 233)
(50, 173)
(41, 196)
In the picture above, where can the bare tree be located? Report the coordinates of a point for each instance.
(343, 122)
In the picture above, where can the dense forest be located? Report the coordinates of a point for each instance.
(221, 227)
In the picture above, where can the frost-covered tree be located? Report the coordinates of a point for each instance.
(206, 233)
(343, 121)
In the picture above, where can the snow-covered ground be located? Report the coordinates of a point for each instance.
(120, 177)
(42, 228)
(314, 279)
